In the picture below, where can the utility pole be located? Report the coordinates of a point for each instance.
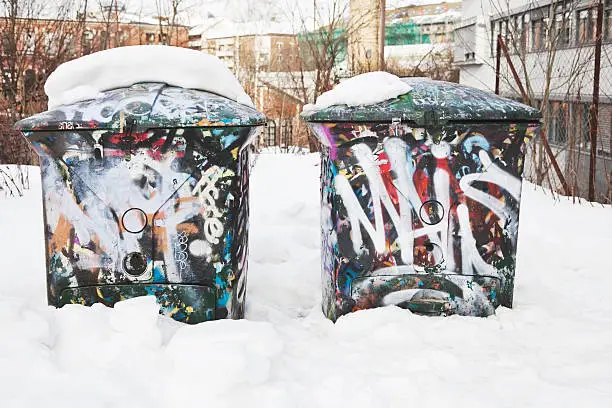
(594, 122)
(381, 36)
(314, 15)
(497, 63)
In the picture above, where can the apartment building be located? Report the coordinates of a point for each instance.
(412, 9)
(261, 46)
(530, 30)
(37, 45)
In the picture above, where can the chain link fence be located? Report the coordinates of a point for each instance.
(552, 48)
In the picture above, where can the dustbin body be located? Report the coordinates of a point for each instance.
(420, 200)
(145, 192)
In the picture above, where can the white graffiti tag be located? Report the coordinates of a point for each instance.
(208, 193)
(410, 200)
(180, 250)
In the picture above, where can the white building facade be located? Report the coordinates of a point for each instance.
(552, 46)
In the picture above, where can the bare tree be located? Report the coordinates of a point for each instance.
(168, 12)
(35, 38)
(435, 64)
(550, 45)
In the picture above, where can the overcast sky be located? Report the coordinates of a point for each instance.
(195, 11)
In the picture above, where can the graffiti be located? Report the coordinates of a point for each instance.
(426, 219)
(146, 210)
(150, 105)
(66, 126)
(180, 250)
(165, 216)
(208, 194)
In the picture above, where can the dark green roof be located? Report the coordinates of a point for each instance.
(149, 105)
(431, 100)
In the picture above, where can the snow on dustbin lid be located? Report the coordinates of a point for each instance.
(429, 102)
(149, 86)
(149, 105)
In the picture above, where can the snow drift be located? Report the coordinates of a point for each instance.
(553, 349)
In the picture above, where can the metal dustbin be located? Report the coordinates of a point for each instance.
(420, 200)
(145, 192)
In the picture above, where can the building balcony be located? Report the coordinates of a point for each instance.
(224, 53)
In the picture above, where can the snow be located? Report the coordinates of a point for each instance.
(415, 51)
(216, 28)
(393, 4)
(553, 349)
(447, 17)
(365, 89)
(86, 77)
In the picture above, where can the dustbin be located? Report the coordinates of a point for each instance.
(420, 200)
(145, 192)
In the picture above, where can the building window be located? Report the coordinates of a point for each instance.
(270, 134)
(584, 122)
(503, 30)
(562, 26)
(87, 42)
(51, 43)
(29, 43)
(560, 123)
(608, 20)
(525, 37)
(286, 133)
(587, 23)
(539, 28)
(8, 45)
(516, 34)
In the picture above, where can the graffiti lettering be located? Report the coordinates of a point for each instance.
(410, 203)
(208, 193)
(180, 250)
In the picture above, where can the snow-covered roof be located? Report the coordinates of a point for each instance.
(393, 4)
(446, 17)
(414, 50)
(137, 18)
(205, 26)
(129, 17)
(222, 28)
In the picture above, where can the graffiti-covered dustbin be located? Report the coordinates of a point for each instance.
(145, 193)
(420, 200)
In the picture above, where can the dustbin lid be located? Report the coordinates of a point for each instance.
(428, 101)
(149, 105)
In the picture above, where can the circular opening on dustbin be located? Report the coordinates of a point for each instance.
(135, 264)
(134, 220)
(431, 212)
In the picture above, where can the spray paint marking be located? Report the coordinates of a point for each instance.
(410, 203)
(208, 193)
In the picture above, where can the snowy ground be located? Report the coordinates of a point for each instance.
(554, 349)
